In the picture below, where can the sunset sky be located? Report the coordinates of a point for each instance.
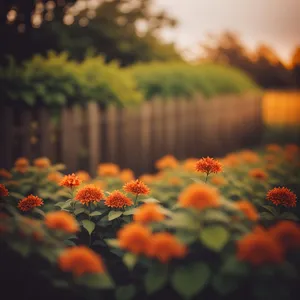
(275, 22)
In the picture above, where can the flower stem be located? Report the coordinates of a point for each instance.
(206, 177)
(135, 200)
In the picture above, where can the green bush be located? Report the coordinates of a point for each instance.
(183, 80)
(56, 81)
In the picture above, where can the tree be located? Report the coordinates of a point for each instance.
(296, 65)
(262, 64)
(125, 30)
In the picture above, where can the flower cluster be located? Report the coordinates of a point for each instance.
(208, 165)
(136, 187)
(282, 196)
(139, 240)
(3, 190)
(269, 246)
(30, 202)
(80, 260)
(61, 220)
(199, 196)
(89, 194)
(117, 200)
(70, 181)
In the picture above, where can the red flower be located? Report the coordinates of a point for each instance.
(208, 165)
(282, 196)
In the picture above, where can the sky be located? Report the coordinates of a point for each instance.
(274, 22)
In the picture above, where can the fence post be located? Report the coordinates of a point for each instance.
(93, 122)
(7, 136)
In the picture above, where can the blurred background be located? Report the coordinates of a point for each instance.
(128, 81)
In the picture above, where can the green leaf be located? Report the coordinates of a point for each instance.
(129, 212)
(183, 220)
(95, 281)
(214, 237)
(112, 243)
(130, 260)
(156, 278)
(188, 281)
(114, 214)
(271, 209)
(125, 292)
(266, 215)
(214, 216)
(38, 211)
(16, 195)
(150, 200)
(22, 248)
(89, 226)
(60, 284)
(79, 211)
(288, 216)
(95, 214)
(69, 243)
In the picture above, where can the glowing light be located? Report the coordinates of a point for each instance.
(68, 19)
(36, 20)
(83, 22)
(91, 14)
(50, 5)
(11, 15)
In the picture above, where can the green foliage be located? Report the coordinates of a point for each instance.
(183, 80)
(57, 81)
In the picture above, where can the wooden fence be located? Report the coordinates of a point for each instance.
(82, 137)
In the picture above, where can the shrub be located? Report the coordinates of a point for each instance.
(183, 80)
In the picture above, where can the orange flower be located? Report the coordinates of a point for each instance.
(248, 209)
(218, 180)
(174, 181)
(135, 238)
(83, 176)
(118, 200)
(3, 191)
(189, 164)
(287, 234)
(148, 212)
(22, 164)
(42, 163)
(55, 177)
(199, 196)
(30, 202)
(259, 249)
(5, 174)
(108, 169)
(273, 148)
(231, 160)
(249, 156)
(258, 174)
(147, 178)
(292, 148)
(136, 187)
(89, 193)
(80, 260)
(167, 161)
(126, 175)
(164, 246)
(61, 220)
(70, 181)
(208, 165)
(282, 196)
